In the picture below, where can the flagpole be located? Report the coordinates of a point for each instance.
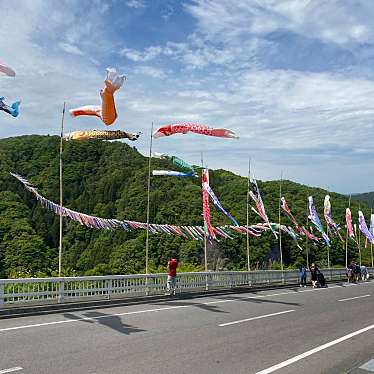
(327, 233)
(307, 245)
(371, 244)
(279, 221)
(346, 236)
(61, 193)
(359, 237)
(205, 236)
(148, 200)
(328, 247)
(248, 185)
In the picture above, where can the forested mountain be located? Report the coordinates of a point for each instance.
(109, 179)
(367, 198)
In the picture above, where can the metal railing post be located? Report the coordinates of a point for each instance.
(2, 302)
(109, 288)
(61, 290)
(34, 290)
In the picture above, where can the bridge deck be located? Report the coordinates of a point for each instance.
(233, 333)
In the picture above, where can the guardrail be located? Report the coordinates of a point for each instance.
(67, 289)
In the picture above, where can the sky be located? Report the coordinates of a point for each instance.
(293, 78)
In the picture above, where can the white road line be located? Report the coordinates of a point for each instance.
(312, 351)
(253, 318)
(11, 370)
(353, 298)
(92, 318)
(292, 292)
(369, 366)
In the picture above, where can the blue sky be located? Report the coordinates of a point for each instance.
(293, 78)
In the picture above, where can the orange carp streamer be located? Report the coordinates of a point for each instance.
(102, 135)
(107, 112)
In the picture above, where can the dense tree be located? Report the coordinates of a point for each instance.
(109, 179)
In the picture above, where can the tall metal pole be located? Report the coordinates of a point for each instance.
(279, 221)
(359, 238)
(205, 236)
(346, 237)
(248, 188)
(307, 245)
(148, 200)
(371, 244)
(205, 228)
(328, 248)
(61, 191)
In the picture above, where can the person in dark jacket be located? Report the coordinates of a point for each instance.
(357, 272)
(313, 274)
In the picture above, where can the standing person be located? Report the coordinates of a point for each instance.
(350, 274)
(314, 274)
(364, 273)
(357, 272)
(172, 275)
(302, 275)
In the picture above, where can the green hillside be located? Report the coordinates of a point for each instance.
(367, 198)
(109, 179)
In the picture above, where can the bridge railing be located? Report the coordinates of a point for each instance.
(68, 289)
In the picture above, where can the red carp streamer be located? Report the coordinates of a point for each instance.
(184, 128)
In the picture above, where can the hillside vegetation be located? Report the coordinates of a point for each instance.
(367, 198)
(109, 179)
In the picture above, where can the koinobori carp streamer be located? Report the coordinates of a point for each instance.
(184, 128)
(102, 135)
(107, 111)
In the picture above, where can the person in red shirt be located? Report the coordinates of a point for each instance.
(172, 275)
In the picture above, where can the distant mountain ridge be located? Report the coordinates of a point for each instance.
(366, 197)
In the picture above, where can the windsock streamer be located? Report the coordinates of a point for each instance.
(334, 227)
(348, 221)
(313, 216)
(12, 109)
(185, 232)
(371, 229)
(255, 194)
(206, 208)
(331, 224)
(363, 227)
(107, 111)
(173, 173)
(102, 135)
(184, 128)
(6, 70)
(175, 160)
(218, 204)
(300, 229)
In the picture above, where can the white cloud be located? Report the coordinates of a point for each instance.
(150, 71)
(45, 77)
(137, 4)
(333, 21)
(148, 54)
(70, 48)
(316, 126)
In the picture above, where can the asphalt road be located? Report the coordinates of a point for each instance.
(283, 331)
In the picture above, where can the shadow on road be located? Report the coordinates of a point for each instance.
(108, 320)
(22, 311)
(261, 300)
(207, 307)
